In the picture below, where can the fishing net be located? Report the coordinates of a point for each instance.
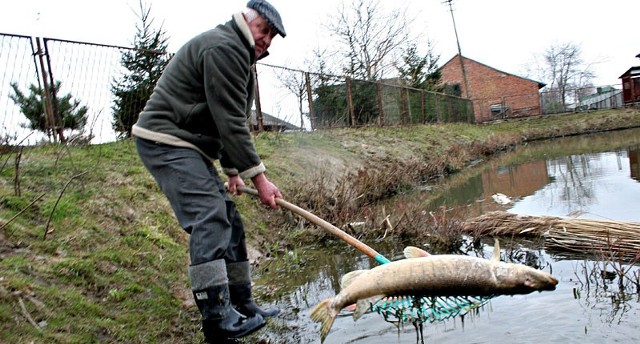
(412, 309)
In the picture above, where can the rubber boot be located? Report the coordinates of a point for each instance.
(220, 320)
(243, 302)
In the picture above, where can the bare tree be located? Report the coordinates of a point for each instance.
(368, 37)
(295, 82)
(565, 69)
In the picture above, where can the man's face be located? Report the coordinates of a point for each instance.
(262, 34)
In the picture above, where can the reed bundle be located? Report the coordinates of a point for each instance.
(613, 239)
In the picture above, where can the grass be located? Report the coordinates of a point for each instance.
(90, 250)
(94, 260)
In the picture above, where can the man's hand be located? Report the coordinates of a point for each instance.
(267, 190)
(233, 184)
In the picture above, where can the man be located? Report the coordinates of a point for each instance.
(196, 114)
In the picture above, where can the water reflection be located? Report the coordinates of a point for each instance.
(563, 178)
(587, 186)
(634, 164)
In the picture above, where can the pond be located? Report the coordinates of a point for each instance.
(585, 177)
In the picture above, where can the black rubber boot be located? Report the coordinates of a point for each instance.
(220, 321)
(243, 302)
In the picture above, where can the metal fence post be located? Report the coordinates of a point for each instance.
(380, 106)
(352, 113)
(312, 112)
(423, 115)
(57, 116)
(47, 95)
(257, 100)
(403, 100)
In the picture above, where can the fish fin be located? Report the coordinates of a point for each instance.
(349, 277)
(496, 251)
(415, 252)
(324, 314)
(363, 305)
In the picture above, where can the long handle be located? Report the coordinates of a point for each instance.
(325, 225)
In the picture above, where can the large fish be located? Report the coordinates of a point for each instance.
(431, 275)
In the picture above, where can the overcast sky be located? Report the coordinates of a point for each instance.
(503, 34)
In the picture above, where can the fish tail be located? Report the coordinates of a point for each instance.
(323, 313)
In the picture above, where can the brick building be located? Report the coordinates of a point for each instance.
(494, 93)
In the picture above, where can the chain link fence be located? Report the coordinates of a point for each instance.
(86, 73)
(17, 67)
(580, 99)
(339, 101)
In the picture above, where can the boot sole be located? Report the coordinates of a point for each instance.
(253, 330)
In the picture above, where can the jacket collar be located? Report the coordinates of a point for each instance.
(243, 27)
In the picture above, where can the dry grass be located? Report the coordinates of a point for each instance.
(619, 240)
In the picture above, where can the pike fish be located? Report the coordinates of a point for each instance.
(430, 275)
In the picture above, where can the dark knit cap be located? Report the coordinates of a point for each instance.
(269, 13)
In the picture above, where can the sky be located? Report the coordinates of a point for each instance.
(504, 34)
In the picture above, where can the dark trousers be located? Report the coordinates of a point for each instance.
(199, 200)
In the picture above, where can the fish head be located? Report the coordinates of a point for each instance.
(522, 279)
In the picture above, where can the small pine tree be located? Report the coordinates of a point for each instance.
(145, 64)
(73, 116)
(420, 71)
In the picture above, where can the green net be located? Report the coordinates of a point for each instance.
(411, 309)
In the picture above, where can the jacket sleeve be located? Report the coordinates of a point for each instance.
(227, 168)
(226, 77)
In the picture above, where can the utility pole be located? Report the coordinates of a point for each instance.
(455, 30)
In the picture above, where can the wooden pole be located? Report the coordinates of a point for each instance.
(324, 225)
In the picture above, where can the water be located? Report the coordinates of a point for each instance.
(598, 185)
(596, 177)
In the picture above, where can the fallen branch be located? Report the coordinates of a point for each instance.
(22, 211)
(27, 315)
(46, 229)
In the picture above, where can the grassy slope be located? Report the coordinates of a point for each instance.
(112, 265)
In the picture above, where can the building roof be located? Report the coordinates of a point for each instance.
(633, 72)
(540, 84)
(601, 94)
(271, 121)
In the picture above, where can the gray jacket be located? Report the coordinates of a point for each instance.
(202, 99)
